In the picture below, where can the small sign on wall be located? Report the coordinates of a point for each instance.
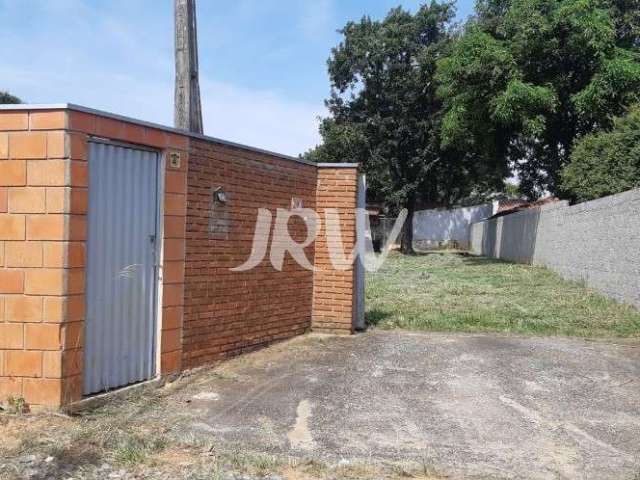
(175, 160)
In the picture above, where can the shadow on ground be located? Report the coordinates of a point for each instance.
(376, 316)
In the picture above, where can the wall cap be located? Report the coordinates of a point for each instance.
(337, 165)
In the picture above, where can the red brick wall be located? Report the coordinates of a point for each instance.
(229, 312)
(208, 311)
(333, 289)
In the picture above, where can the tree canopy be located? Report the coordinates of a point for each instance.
(437, 113)
(529, 77)
(608, 162)
(386, 114)
(6, 97)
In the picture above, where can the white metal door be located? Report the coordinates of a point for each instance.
(120, 325)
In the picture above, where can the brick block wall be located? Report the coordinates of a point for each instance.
(40, 227)
(333, 288)
(228, 312)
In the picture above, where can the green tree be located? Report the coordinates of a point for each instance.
(626, 14)
(529, 77)
(6, 97)
(605, 163)
(385, 113)
(346, 142)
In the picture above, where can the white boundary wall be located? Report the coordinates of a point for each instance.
(430, 227)
(596, 242)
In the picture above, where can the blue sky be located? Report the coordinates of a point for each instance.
(262, 62)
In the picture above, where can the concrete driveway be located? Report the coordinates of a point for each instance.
(466, 406)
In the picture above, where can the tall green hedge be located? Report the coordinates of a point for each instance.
(606, 163)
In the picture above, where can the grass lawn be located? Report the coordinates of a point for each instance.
(455, 292)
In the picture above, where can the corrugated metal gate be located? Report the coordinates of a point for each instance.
(120, 326)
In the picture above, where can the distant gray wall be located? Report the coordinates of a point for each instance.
(430, 227)
(597, 242)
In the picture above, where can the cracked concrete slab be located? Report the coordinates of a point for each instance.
(467, 405)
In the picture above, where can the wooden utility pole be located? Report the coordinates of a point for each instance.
(188, 110)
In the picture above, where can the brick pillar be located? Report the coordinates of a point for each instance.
(39, 281)
(175, 212)
(333, 289)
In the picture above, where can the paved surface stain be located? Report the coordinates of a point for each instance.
(300, 437)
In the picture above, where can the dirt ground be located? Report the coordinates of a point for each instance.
(376, 405)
